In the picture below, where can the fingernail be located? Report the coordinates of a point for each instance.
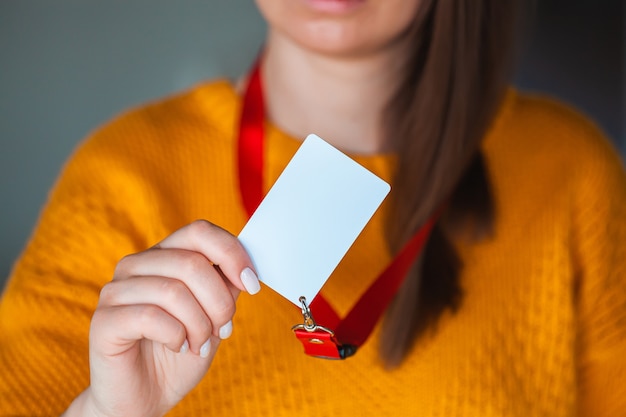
(185, 347)
(226, 330)
(250, 281)
(205, 348)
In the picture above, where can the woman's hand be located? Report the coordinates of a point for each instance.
(159, 321)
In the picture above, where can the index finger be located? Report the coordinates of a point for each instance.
(221, 248)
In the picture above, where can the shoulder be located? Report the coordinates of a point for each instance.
(205, 112)
(540, 134)
(209, 102)
(544, 158)
(539, 121)
(158, 145)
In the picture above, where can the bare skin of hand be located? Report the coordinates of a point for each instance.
(160, 320)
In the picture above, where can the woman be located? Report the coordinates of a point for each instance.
(514, 307)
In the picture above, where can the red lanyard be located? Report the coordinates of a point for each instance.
(316, 336)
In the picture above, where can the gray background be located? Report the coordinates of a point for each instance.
(67, 66)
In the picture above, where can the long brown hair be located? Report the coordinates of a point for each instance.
(451, 87)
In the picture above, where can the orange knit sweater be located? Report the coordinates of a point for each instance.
(542, 326)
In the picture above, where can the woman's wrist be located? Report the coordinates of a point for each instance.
(82, 406)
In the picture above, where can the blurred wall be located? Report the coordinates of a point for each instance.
(575, 50)
(67, 66)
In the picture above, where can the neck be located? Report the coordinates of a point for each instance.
(340, 99)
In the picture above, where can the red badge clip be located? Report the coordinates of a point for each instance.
(319, 341)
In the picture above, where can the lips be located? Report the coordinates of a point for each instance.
(334, 6)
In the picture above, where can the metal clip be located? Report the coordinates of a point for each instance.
(309, 322)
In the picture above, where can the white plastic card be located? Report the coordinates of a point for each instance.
(310, 218)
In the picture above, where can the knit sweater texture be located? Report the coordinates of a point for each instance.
(541, 330)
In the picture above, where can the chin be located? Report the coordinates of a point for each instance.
(340, 27)
(335, 39)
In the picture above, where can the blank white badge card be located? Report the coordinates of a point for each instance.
(310, 218)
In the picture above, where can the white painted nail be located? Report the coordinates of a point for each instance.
(250, 281)
(226, 330)
(205, 348)
(185, 347)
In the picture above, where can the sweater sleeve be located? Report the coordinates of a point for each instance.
(599, 236)
(90, 221)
